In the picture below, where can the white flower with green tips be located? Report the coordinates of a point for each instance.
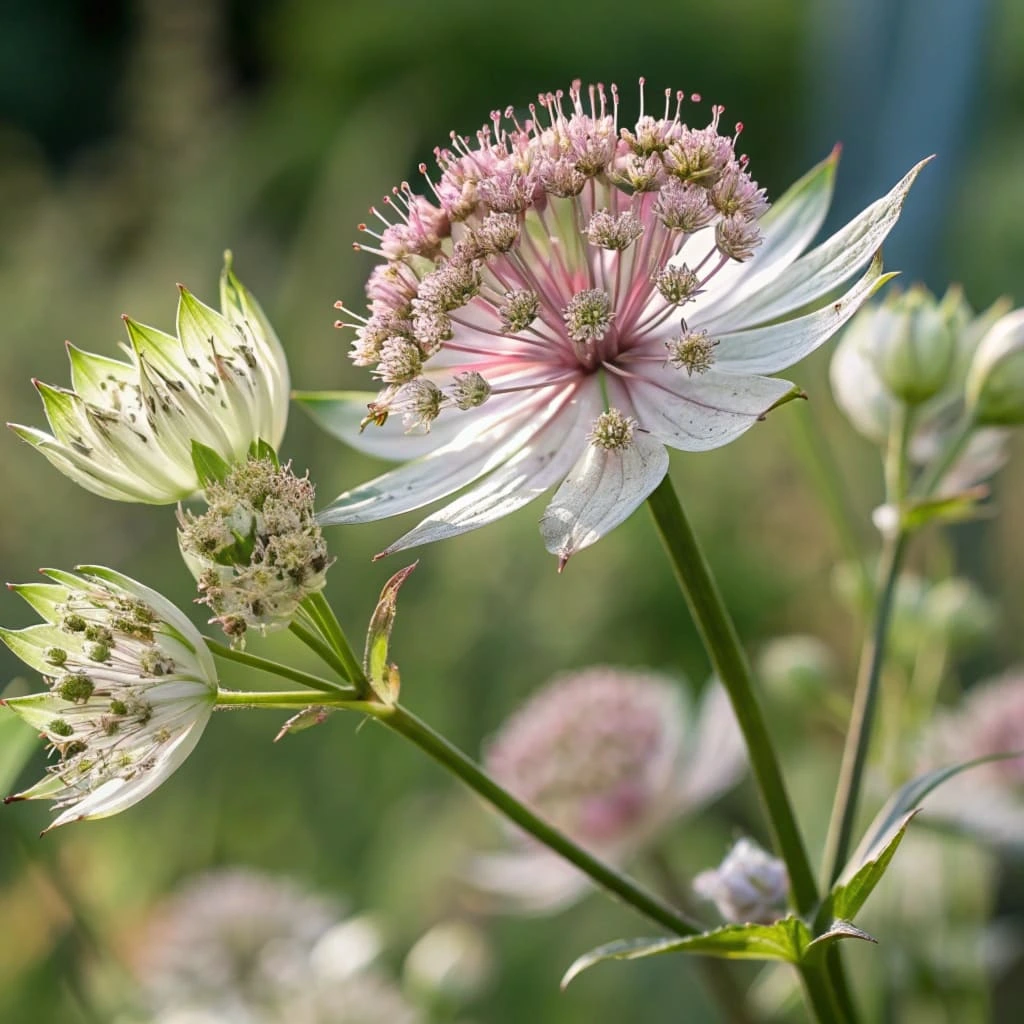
(125, 428)
(132, 686)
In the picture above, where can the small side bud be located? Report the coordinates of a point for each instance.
(750, 885)
(995, 380)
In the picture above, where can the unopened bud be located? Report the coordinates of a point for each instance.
(750, 885)
(995, 380)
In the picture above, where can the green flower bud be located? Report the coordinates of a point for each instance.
(797, 667)
(915, 343)
(995, 379)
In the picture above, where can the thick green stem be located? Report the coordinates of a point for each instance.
(322, 613)
(281, 699)
(723, 646)
(858, 738)
(608, 878)
(321, 649)
(274, 668)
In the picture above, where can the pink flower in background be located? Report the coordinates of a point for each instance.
(574, 296)
(611, 757)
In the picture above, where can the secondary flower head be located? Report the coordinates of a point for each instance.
(609, 756)
(988, 799)
(125, 429)
(750, 885)
(577, 268)
(132, 686)
(257, 551)
(995, 380)
(235, 945)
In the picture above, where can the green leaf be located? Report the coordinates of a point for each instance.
(337, 412)
(384, 678)
(785, 940)
(17, 743)
(209, 466)
(305, 719)
(850, 893)
(261, 450)
(957, 508)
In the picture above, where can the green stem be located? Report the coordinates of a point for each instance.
(938, 469)
(282, 699)
(404, 722)
(858, 738)
(723, 645)
(819, 995)
(322, 650)
(286, 672)
(323, 614)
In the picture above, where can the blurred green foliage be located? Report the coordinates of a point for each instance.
(141, 140)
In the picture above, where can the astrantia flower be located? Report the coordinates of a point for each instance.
(989, 799)
(750, 885)
(132, 686)
(609, 756)
(125, 429)
(239, 947)
(257, 552)
(575, 270)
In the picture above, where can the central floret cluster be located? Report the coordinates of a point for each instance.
(545, 255)
(569, 274)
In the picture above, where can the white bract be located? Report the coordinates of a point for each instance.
(995, 380)
(611, 757)
(125, 429)
(132, 686)
(569, 277)
(750, 885)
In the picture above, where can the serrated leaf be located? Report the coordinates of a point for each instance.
(261, 450)
(785, 940)
(384, 678)
(17, 743)
(209, 466)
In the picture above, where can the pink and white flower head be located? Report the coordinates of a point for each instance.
(987, 800)
(132, 686)
(611, 757)
(573, 296)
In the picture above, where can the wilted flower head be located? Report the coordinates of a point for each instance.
(750, 885)
(242, 947)
(987, 799)
(583, 269)
(610, 757)
(132, 686)
(125, 429)
(889, 355)
(257, 551)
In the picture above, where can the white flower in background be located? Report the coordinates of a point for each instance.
(611, 757)
(878, 351)
(257, 552)
(125, 429)
(449, 965)
(132, 686)
(750, 885)
(995, 379)
(239, 947)
(574, 297)
(987, 800)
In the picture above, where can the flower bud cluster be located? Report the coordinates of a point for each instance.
(257, 552)
(476, 256)
(750, 885)
(131, 686)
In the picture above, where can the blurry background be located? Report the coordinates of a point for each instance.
(140, 138)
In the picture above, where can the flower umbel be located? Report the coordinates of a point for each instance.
(132, 686)
(257, 551)
(125, 429)
(610, 756)
(555, 257)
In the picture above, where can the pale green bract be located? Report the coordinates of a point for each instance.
(125, 428)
